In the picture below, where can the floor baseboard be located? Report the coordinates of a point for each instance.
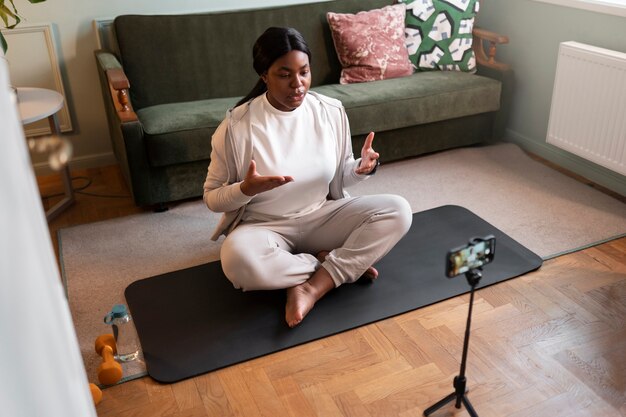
(83, 162)
(593, 172)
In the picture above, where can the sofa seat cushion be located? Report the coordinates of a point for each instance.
(420, 98)
(181, 132)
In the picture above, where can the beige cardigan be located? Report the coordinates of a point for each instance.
(231, 154)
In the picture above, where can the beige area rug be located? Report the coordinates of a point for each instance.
(544, 210)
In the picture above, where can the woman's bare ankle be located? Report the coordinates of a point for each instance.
(321, 255)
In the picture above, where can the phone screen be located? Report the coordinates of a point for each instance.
(476, 254)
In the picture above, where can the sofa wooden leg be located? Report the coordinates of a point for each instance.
(160, 207)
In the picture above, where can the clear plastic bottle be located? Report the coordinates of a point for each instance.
(124, 333)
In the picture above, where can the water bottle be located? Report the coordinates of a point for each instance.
(124, 333)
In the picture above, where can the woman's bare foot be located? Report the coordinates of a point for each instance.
(371, 273)
(302, 298)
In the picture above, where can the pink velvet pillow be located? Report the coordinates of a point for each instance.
(371, 45)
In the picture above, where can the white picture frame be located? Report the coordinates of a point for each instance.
(33, 62)
(103, 29)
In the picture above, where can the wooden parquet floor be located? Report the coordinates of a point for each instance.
(550, 343)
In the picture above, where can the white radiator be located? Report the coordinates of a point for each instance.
(588, 111)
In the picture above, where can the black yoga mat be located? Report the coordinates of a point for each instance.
(193, 321)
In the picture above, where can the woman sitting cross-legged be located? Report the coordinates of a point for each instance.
(280, 163)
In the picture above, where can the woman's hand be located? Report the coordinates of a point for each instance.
(369, 157)
(254, 183)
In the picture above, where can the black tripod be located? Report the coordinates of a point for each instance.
(473, 277)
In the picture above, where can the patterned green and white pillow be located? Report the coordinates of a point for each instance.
(439, 34)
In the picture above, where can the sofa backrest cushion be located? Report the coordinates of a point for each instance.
(187, 57)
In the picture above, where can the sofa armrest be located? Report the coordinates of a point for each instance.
(115, 85)
(118, 86)
(488, 59)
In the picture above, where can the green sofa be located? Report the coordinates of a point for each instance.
(168, 81)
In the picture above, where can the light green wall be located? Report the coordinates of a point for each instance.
(535, 30)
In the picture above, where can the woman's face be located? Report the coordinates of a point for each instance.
(288, 80)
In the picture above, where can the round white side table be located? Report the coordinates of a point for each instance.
(35, 104)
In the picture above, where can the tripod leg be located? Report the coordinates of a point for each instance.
(468, 407)
(439, 404)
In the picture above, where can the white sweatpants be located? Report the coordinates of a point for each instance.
(358, 232)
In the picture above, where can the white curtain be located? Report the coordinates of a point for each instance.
(41, 370)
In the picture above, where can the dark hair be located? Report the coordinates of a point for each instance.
(271, 45)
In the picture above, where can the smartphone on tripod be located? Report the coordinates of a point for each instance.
(478, 252)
